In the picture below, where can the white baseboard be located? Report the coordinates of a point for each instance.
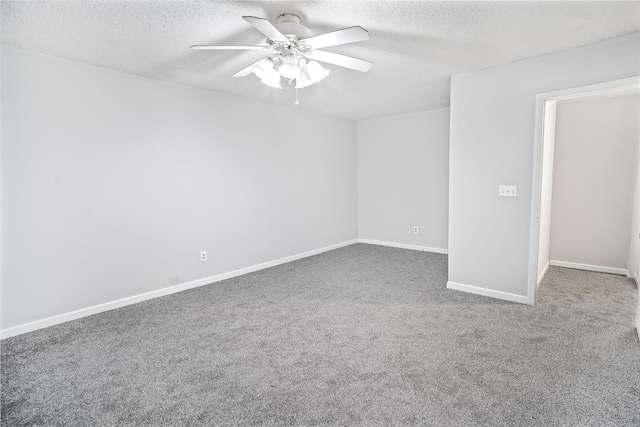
(544, 273)
(522, 299)
(404, 246)
(589, 267)
(84, 312)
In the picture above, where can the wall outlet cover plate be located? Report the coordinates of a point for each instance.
(508, 191)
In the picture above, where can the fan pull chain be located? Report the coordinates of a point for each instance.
(297, 102)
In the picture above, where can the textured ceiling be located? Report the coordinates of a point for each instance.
(416, 45)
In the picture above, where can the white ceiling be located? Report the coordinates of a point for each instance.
(416, 45)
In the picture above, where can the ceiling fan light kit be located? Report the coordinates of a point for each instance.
(312, 73)
(288, 65)
(266, 73)
(296, 52)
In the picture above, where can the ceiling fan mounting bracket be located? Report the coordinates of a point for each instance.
(288, 17)
(289, 25)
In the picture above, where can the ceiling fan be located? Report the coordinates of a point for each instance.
(293, 51)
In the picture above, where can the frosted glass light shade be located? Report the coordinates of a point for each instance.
(265, 72)
(289, 68)
(304, 72)
(316, 72)
(312, 73)
(303, 80)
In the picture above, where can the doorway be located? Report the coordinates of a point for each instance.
(546, 105)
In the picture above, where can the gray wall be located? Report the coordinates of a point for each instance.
(492, 135)
(594, 177)
(403, 179)
(112, 184)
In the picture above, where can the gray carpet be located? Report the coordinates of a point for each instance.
(363, 335)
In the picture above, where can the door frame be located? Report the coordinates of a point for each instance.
(538, 146)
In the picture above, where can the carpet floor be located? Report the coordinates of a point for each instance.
(362, 335)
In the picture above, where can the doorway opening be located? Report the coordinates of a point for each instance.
(543, 166)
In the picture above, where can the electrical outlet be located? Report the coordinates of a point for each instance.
(508, 191)
(415, 229)
(203, 256)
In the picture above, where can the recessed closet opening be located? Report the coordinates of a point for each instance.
(588, 206)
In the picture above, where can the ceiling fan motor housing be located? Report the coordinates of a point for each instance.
(289, 25)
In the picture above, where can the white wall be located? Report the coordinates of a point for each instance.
(594, 173)
(633, 260)
(546, 187)
(112, 184)
(403, 179)
(492, 136)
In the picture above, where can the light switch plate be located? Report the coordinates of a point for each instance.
(508, 191)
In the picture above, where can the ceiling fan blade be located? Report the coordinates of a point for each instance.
(247, 70)
(334, 38)
(341, 60)
(208, 47)
(266, 28)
